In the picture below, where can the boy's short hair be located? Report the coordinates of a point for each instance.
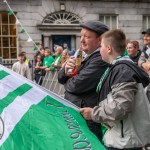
(48, 50)
(117, 39)
(21, 54)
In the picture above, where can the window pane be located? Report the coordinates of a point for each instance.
(4, 18)
(0, 24)
(0, 52)
(5, 30)
(0, 18)
(101, 18)
(12, 19)
(114, 22)
(5, 42)
(0, 30)
(8, 37)
(12, 29)
(13, 42)
(107, 20)
(145, 22)
(148, 25)
(13, 52)
(6, 53)
(0, 42)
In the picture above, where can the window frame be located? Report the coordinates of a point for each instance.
(109, 15)
(147, 20)
(9, 36)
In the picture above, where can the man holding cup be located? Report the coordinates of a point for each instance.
(81, 88)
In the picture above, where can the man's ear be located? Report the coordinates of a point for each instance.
(109, 49)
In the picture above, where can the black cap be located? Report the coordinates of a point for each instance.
(146, 31)
(95, 26)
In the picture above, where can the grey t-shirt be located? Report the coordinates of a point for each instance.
(22, 69)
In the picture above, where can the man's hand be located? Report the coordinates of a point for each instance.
(43, 67)
(53, 64)
(86, 112)
(37, 67)
(71, 64)
(47, 69)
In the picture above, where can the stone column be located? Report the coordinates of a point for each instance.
(46, 41)
(50, 43)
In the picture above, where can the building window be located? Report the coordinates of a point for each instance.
(8, 38)
(66, 18)
(110, 20)
(146, 22)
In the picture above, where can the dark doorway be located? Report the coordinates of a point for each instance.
(60, 39)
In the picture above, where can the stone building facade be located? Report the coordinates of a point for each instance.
(57, 21)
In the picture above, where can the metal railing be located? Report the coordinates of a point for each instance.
(8, 62)
(50, 82)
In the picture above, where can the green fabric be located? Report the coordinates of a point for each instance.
(12, 95)
(36, 48)
(52, 68)
(3, 74)
(42, 123)
(104, 129)
(56, 61)
(22, 30)
(126, 53)
(101, 80)
(48, 61)
(51, 126)
(10, 13)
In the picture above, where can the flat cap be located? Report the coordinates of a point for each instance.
(146, 31)
(95, 26)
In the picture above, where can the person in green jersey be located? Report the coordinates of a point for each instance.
(48, 60)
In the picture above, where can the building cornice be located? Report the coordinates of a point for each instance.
(58, 27)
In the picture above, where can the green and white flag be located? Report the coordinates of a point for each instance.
(32, 118)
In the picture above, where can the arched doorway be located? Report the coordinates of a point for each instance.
(60, 27)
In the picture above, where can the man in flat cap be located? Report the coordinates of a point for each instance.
(81, 89)
(144, 60)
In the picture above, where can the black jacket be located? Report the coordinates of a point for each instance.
(81, 89)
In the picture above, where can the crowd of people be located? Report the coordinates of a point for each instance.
(111, 85)
(44, 60)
